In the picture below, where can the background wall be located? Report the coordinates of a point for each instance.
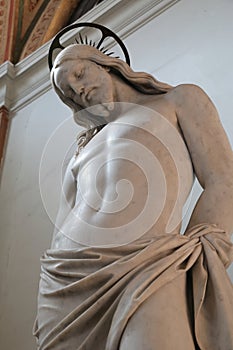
(190, 42)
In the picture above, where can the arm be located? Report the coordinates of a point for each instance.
(67, 197)
(211, 155)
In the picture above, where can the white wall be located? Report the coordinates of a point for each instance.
(190, 42)
(25, 226)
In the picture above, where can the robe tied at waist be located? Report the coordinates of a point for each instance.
(101, 288)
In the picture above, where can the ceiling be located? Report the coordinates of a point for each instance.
(25, 25)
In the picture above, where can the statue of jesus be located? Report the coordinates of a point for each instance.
(119, 275)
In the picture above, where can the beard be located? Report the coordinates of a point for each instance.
(102, 110)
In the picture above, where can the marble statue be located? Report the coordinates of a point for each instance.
(119, 275)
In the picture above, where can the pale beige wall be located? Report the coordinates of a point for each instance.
(25, 226)
(191, 42)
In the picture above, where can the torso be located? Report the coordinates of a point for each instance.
(133, 179)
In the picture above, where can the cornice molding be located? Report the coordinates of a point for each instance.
(24, 82)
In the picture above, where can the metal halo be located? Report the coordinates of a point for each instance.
(105, 33)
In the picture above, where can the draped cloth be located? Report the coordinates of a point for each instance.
(88, 296)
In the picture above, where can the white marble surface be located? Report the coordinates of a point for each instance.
(190, 42)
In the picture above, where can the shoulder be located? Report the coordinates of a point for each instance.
(190, 99)
(187, 91)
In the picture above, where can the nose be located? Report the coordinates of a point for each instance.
(77, 87)
(81, 90)
(79, 93)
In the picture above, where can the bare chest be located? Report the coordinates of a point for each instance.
(140, 146)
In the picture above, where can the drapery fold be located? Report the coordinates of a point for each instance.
(88, 296)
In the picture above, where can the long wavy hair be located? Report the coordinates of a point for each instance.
(141, 81)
